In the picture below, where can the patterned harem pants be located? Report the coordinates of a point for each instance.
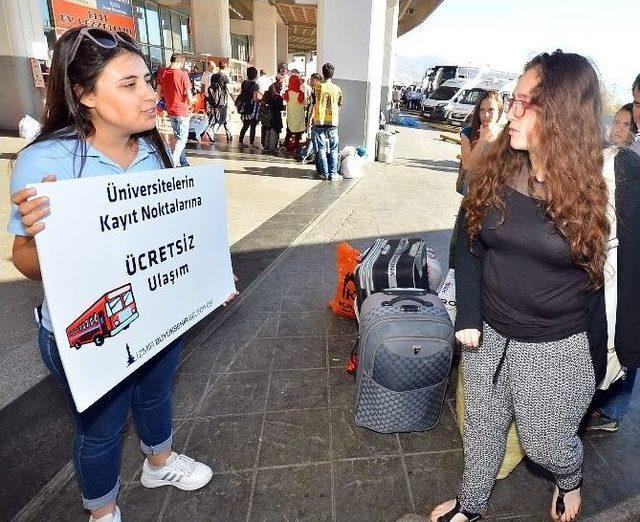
(548, 386)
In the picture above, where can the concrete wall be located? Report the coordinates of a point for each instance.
(389, 64)
(21, 38)
(358, 55)
(241, 27)
(265, 36)
(282, 44)
(211, 27)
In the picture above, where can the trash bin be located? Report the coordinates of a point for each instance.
(386, 145)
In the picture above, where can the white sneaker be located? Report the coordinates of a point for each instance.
(111, 517)
(179, 471)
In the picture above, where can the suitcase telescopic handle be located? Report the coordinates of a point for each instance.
(396, 300)
(404, 291)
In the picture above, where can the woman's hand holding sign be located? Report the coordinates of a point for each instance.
(32, 211)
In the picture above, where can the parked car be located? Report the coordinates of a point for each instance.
(434, 107)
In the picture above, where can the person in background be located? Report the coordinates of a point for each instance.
(198, 120)
(405, 98)
(306, 90)
(273, 104)
(635, 91)
(476, 139)
(624, 128)
(247, 103)
(610, 406)
(296, 124)
(264, 82)
(530, 271)
(397, 98)
(206, 76)
(327, 102)
(174, 85)
(218, 100)
(195, 75)
(100, 120)
(308, 150)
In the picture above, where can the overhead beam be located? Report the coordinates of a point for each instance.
(405, 8)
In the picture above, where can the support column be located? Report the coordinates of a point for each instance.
(283, 44)
(211, 27)
(389, 64)
(21, 38)
(265, 36)
(351, 36)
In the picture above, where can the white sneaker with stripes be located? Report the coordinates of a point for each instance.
(179, 471)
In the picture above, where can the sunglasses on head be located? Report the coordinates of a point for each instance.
(103, 38)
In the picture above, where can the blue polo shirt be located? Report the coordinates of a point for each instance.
(62, 158)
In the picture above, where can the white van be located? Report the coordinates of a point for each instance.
(435, 107)
(460, 112)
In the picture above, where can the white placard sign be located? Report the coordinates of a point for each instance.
(129, 263)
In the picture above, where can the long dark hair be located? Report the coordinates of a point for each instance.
(570, 145)
(475, 117)
(65, 118)
(628, 107)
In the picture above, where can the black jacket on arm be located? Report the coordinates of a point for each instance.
(627, 341)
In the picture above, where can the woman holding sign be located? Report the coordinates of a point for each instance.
(100, 119)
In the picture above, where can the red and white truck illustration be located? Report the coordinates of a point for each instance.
(108, 316)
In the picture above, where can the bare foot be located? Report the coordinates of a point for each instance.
(572, 502)
(443, 509)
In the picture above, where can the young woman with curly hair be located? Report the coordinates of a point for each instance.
(530, 258)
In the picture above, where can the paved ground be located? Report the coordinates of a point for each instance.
(262, 395)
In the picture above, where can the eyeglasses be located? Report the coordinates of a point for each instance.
(519, 106)
(103, 38)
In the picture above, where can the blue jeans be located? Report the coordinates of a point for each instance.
(180, 126)
(614, 402)
(97, 442)
(326, 143)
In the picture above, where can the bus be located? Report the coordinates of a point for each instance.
(108, 316)
(436, 76)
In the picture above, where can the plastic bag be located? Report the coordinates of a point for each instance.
(448, 294)
(351, 167)
(347, 151)
(343, 302)
(29, 128)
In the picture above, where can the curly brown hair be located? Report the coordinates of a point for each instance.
(569, 150)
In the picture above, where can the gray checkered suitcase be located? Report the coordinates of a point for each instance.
(406, 346)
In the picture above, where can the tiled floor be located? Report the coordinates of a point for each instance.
(265, 401)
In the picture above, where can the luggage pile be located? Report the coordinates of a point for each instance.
(405, 344)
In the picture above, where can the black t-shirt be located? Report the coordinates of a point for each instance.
(221, 79)
(531, 290)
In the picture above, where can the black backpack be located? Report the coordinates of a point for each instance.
(216, 95)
